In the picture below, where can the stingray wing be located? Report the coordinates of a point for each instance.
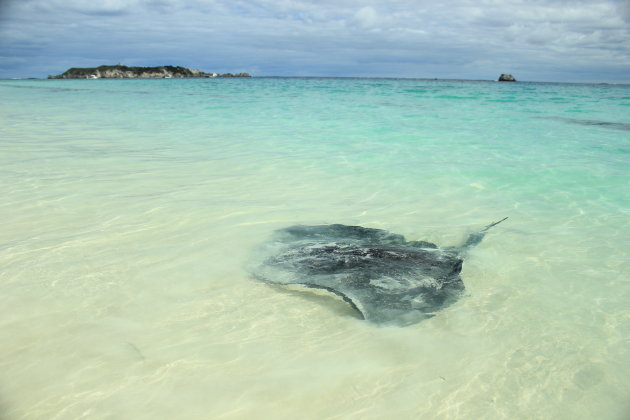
(387, 279)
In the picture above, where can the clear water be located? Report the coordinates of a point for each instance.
(130, 209)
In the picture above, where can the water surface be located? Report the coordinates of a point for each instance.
(131, 209)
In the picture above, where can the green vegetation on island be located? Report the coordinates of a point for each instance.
(120, 71)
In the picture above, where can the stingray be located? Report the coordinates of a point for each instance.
(387, 279)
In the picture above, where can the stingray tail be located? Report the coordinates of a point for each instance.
(475, 238)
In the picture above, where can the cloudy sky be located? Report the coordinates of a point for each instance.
(538, 40)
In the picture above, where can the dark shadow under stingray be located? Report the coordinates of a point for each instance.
(332, 302)
(387, 279)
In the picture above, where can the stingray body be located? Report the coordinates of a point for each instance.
(386, 278)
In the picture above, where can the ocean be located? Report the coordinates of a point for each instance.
(131, 210)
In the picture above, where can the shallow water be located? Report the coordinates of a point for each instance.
(131, 209)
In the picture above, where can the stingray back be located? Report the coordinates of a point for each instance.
(386, 278)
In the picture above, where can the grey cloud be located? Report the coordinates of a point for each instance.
(462, 38)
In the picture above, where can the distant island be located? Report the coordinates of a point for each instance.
(120, 71)
(506, 78)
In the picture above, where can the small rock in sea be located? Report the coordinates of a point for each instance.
(506, 78)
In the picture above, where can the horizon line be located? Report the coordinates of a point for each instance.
(354, 77)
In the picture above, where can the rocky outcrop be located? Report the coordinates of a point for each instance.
(506, 78)
(120, 71)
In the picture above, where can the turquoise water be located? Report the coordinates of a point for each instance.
(131, 209)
